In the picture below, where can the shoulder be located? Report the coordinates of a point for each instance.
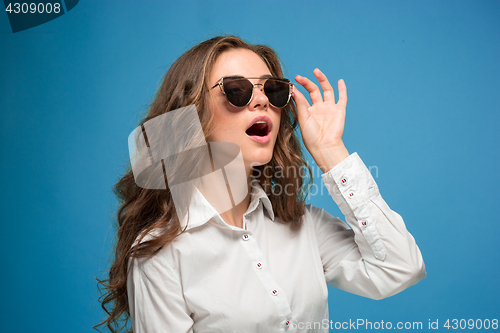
(315, 213)
(319, 218)
(166, 254)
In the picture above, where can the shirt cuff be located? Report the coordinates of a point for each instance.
(350, 184)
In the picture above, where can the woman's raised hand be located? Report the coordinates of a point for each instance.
(322, 124)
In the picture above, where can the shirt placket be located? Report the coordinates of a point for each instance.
(274, 291)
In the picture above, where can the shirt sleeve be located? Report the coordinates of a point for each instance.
(155, 297)
(377, 257)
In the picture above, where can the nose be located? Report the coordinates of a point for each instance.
(259, 98)
(261, 88)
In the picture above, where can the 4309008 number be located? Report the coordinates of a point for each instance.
(471, 324)
(33, 7)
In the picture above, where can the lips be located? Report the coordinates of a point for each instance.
(260, 129)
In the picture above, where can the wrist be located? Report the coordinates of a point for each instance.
(328, 157)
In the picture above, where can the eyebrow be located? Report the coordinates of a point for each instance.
(266, 76)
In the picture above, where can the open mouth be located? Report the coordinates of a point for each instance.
(259, 128)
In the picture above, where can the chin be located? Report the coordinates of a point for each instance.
(261, 159)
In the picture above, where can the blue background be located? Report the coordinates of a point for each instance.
(423, 81)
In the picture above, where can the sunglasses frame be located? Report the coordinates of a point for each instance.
(221, 86)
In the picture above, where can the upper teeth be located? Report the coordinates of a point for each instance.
(260, 122)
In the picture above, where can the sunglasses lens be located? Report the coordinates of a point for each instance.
(278, 92)
(238, 92)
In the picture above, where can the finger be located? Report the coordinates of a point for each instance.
(311, 88)
(302, 105)
(342, 93)
(328, 92)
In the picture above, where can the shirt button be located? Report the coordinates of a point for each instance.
(246, 236)
(350, 194)
(259, 265)
(274, 292)
(343, 181)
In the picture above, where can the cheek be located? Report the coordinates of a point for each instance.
(227, 128)
(278, 123)
(219, 121)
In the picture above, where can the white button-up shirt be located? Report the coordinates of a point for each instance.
(219, 278)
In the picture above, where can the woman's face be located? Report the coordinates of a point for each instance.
(234, 124)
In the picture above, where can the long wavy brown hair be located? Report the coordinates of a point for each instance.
(144, 210)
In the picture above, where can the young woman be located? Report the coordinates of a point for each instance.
(264, 265)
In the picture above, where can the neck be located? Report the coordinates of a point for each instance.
(234, 216)
(212, 193)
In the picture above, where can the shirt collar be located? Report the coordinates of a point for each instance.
(258, 195)
(200, 211)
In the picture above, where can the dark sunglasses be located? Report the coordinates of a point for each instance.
(239, 90)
